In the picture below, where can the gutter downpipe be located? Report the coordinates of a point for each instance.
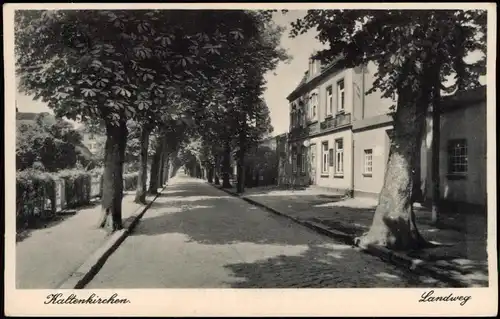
(353, 154)
(363, 92)
(352, 168)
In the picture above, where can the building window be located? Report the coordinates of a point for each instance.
(457, 157)
(293, 116)
(314, 106)
(91, 136)
(339, 157)
(330, 157)
(303, 160)
(308, 108)
(340, 96)
(329, 101)
(303, 113)
(294, 162)
(324, 157)
(368, 162)
(299, 162)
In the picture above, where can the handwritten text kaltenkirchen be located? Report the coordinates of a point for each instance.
(59, 299)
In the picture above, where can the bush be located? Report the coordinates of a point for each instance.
(48, 140)
(77, 186)
(130, 181)
(35, 196)
(96, 171)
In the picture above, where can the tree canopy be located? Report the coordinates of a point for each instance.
(438, 40)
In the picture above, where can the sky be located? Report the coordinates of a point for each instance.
(279, 86)
(287, 76)
(280, 82)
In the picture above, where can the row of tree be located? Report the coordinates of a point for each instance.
(203, 70)
(180, 76)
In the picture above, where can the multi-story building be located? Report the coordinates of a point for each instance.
(92, 139)
(339, 137)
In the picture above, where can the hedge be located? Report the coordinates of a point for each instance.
(77, 186)
(40, 194)
(35, 196)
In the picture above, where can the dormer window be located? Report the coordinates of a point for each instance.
(314, 67)
(293, 116)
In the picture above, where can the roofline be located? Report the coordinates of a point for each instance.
(477, 94)
(333, 67)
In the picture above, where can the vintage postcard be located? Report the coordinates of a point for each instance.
(253, 159)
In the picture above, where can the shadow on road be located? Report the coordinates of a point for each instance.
(275, 252)
(329, 266)
(205, 219)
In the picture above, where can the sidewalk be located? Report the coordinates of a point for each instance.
(462, 257)
(47, 257)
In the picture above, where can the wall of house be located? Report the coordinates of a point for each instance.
(374, 103)
(357, 96)
(331, 180)
(377, 140)
(462, 123)
(95, 144)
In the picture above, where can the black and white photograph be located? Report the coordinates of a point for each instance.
(250, 148)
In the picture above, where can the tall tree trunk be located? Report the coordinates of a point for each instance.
(112, 190)
(164, 159)
(210, 173)
(217, 170)
(226, 165)
(394, 224)
(240, 176)
(240, 169)
(155, 167)
(436, 136)
(140, 194)
(256, 178)
(173, 167)
(166, 169)
(161, 168)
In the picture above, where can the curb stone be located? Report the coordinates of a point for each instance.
(398, 259)
(86, 272)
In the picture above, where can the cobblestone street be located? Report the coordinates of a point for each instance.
(196, 236)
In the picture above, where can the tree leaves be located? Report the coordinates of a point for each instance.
(144, 105)
(150, 66)
(88, 92)
(438, 39)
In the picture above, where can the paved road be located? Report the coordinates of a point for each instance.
(196, 236)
